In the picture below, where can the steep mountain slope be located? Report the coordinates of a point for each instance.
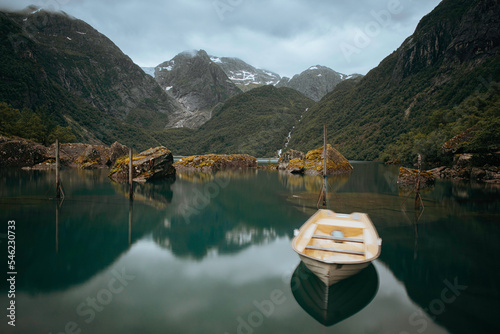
(424, 85)
(197, 84)
(256, 122)
(315, 82)
(70, 74)
(245, 76)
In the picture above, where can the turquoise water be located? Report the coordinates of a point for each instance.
(206, 253)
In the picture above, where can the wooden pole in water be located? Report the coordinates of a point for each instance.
(324, 151)
(323, 195)
(58, 182)
(324, 167)
(130, 175)
(417, 191)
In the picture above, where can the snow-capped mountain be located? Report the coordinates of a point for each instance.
(315, 82)
(244, 75)
(197, 83)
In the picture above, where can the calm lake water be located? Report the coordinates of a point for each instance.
(211, 254)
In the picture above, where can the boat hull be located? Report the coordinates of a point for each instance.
(331, 273)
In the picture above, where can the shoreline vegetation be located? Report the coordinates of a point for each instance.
(159, 162)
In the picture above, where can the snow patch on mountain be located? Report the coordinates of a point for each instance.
(245, 76)
(216, 60)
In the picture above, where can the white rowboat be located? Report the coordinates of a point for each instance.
(335, 246)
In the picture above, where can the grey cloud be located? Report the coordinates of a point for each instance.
(285, 36)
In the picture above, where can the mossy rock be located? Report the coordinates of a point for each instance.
(152, 164)
(212, 162)
(409, 177)
(336, 163)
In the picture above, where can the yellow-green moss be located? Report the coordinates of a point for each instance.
(296, 163)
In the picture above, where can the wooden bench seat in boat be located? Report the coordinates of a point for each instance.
(341, 223)
(328, 237)
(345, 251)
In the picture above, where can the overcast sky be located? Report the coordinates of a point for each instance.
(283, 36)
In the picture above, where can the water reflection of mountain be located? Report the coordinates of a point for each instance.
(447, 268)
(225, 215)
(333, 304)
(92, 230)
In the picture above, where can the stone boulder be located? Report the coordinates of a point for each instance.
(486, 173)
(288, 156)
(20, 152)
(87, 156)
(27, 154)
(153, 164)
(408, 178)
(117, 151)
(296, 166)
(213, 162)
(313, 164)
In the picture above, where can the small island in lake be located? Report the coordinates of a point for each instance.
(312, 163)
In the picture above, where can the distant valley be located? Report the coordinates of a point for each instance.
(196, 81)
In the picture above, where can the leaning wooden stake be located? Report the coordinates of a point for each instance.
(323, 195)
(324, 150)
(130, 175)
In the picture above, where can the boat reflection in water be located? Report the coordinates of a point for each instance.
(330, 305)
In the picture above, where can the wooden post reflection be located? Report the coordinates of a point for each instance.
(130, 175)
(57, 227)
(130, 219)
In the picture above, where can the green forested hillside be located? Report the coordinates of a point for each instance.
(422, 87)
(62, 72)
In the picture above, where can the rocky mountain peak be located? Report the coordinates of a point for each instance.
(244, 75)
(197, 83)
(315, 82)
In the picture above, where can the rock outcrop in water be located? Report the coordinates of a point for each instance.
(313, 164)
(288, 156)
(469, 163)
(85, 156)
(469, 166)
(20, 152)
(17, 152)
(213, 162)
(153, 164)
(408, 177)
